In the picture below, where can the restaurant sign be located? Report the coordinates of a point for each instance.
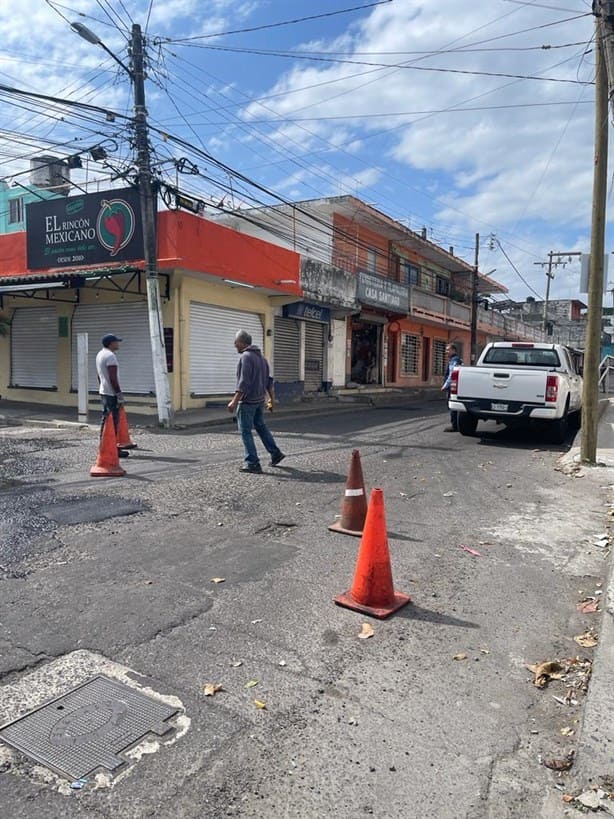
(83, 230)
(378, 291)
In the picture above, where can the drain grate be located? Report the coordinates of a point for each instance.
(88, 727)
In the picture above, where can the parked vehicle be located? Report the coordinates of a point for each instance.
(517, 383)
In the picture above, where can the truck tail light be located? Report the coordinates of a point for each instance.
(552, 388)
(454, 382)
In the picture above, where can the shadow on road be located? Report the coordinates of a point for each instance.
(413, 612)
(523, 438)
(312, 476)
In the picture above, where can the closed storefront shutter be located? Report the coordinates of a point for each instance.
(131, 323)
(34, 347)
(286, 350)
(213, 358)
(314, 356)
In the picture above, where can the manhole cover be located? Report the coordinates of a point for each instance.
(88, 727)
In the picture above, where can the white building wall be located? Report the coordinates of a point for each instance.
(287, 227)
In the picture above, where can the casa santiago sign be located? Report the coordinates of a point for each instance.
(381, 292)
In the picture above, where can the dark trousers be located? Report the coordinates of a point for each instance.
(109, 407)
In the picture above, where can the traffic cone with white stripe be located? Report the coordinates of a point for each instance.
(354, 506)
(107, 462)
(123, 431)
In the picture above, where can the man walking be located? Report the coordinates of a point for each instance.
(107, 368)
(453, 361)
(254, 384)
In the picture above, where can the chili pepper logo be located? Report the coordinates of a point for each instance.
(115, 224)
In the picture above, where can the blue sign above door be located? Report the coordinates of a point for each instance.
(307, 312)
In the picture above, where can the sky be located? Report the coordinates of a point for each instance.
(461, 118)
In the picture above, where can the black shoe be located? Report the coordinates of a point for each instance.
(277, 459)
(255, 468)
(123, 453)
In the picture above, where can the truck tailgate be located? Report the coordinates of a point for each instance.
(502, 384)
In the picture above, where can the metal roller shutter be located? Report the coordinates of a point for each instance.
(131, 323)
(286, 349)
(314, 356)
(213, 358)
(34, 347)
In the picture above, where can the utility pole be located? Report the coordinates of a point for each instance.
(474, 302)
(590, 395)
(149, 216)
(550, 275)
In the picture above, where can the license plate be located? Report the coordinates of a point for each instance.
(499, 407)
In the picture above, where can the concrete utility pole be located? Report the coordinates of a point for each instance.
(590, 396)
(150, 249)
(136, 73)
(474, 303)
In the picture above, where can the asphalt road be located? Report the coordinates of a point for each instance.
(390, 726)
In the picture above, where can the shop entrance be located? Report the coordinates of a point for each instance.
(365, 353)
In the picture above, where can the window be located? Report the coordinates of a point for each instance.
(409, 354)
(439, 357)
(442, 286)
(410, 274)
(372, 261)
(16, 210)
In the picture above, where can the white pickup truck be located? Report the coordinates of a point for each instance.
(516, 383)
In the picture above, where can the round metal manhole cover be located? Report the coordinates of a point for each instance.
(87, 723)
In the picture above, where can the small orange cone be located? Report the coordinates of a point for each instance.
(372, 591)
(107, 462)
(123, 431)
(354, 506)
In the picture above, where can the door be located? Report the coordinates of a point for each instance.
(286, 350)
(129, 321)
(34, 347)
(314, 356)
(213, 358)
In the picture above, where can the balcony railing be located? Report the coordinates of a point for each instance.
(442, 308)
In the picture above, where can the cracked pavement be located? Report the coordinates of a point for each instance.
(389, 726)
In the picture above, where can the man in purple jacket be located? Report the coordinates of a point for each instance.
(254, 384)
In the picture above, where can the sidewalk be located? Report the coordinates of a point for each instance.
(594, 761)
(14, 413)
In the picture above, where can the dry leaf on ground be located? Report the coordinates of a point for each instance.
(586, 640)
(211, 689)
(473, 552)
(588, 606)
(218, 579)
(460, 656)
(260, 704)
(544, 672)
(560, 764)
(251, 684)
(366, 631)
(567, 731)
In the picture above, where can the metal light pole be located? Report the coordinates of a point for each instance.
(148, 214)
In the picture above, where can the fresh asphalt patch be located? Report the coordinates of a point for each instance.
(71, 511)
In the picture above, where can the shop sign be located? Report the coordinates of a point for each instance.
(307, 312)
(383, 293)
(83, 230)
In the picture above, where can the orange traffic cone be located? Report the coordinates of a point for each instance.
(123, 431)
(354, 506)
(107, 462)
(372, 591)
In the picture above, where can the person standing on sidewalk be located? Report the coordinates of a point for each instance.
(254, 384)
(107, 368)
(454, 360)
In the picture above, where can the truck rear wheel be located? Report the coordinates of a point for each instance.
(467, 423)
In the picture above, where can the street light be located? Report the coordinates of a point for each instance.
(148, 212)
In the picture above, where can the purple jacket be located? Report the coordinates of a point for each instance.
(253, 376)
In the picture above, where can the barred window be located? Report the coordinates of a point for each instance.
(409, 354)
(442, 286)
(409, 273)
(439, 357)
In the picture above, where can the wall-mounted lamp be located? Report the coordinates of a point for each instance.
(234, 283)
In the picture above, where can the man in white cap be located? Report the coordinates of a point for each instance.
(107, 368)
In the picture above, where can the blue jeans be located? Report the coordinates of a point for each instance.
(249, 417)
(109, 407)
